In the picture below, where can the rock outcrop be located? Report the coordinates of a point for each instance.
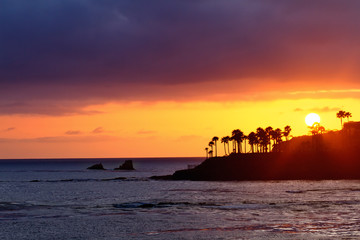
(127, 165)
(97, 166)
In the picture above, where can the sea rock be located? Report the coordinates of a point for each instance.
(97, 166)
(127, 165)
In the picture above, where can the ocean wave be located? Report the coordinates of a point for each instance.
(210, 205)
(16, 206)
(135, 205)
(216, 190)
(90, 180)
(12, 206)
(295, 191)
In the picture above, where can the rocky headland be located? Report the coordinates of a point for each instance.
(272, 166)
(330, 156)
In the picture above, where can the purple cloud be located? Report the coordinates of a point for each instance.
(86, 51)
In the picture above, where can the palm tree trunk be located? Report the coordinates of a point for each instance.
(225, 148)
(269, 144)
(215, 148)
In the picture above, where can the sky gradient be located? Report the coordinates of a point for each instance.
(131, 78)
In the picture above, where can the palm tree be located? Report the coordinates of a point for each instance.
(224, 141)
(268, 131)
(252, 140)
(286, 132)
(215, 139)
(211, 144)
(228, 139)
(211, 153)
(233, 144)
(341, 115)
(272, 137)
(276, 136)
(262, 138)
(348, 115)
(207, 152)
(237, 135)
(321, 129)
(316, 128)
(244, 138)
(257, 142)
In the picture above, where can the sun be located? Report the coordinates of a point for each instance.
(312, 118)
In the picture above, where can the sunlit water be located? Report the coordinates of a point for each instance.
(62, 200)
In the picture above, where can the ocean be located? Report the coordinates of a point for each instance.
(61, 199)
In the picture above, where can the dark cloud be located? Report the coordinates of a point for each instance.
(73, 132)
(52, 108)
(60, 139)
(98, 130)
(9, 129)
(325, 109)
(125, 50)
(318, 109)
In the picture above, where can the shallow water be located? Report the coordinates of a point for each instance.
(62, 200)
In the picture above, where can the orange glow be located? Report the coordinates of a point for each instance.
(158, 129)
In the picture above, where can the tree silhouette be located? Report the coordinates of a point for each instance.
(286, 132)
(276, 136)
(233, 144)
(341, 115)
(348, 115)
(244, 138)
(316, 129)
(224, 140)
(215, 139)
(263, 138)
(321, 129)
(211, 153)
(237, 136)
(252, 140)
(228, 139)
(268, 131)
(257, 142)
(211, 144)
(207, 152)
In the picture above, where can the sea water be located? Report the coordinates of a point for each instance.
(61, 199)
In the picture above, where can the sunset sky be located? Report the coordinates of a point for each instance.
(125, 78)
